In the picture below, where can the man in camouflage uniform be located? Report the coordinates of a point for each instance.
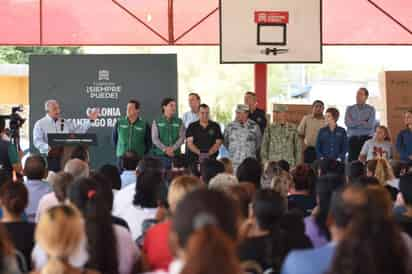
(242, 137)
(281, 140)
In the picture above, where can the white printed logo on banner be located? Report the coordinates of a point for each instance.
(104, 75)
(271, 31)
(103, 88)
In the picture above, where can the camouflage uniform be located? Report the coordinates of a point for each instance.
(242, 141)
(281, 142)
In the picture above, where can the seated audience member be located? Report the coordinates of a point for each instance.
(366, 181)
(223, 181)
(147, 196)
(344, 205)
(267, 243)
(270, 170)
(36, 171)
(299, 194)
(381, 169)
(156, 249)
(60, 183)
(8, 262)
(209, 168)
(227, 163)
(250, 170)
(204, 234)
(283, 164)
(399, 169)
(377, 147)
(77, 168)
(81, 153)
(373, 242)
(61, 233)
(332, 141)
(124, 197)
(316, 225)
(243, 195)
(330, 167)
(179, 168)
(111, 248)
(111, 172)
(282, 183)
(356, 170)
(13, 200)
(292, 222)
(130, 160)
(106, 189)
(404, 201)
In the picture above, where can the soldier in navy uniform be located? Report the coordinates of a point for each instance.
(242, 137)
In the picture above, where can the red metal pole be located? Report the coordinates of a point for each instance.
(171, 23)
(261, 85)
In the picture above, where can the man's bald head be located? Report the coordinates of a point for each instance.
(77, 168)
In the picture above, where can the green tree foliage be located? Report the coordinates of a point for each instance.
(20, 55)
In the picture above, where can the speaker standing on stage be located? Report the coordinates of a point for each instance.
(131, 133)
(168, 133)
(54, 123)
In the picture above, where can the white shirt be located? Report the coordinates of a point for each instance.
(128, 177)
(123, 199)
(135, 216)
(47, 125)
(47, 201)
(189, 117)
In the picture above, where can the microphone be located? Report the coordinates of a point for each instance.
(62, 125)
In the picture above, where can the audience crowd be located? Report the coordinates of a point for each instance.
(321, 211)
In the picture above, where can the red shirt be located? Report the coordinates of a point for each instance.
(156, 246)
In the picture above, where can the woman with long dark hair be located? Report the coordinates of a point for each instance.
(150, 191)
(204, 234)
(268, 243)
(374, 243)
(315, 225)
(13, 200)
(102, 245)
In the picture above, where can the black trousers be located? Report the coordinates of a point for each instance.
(355, 146)
(309, 155)
(53, 163)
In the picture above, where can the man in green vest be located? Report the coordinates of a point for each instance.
(131, 133)
(168, 133)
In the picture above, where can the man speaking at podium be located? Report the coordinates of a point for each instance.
(53, 123)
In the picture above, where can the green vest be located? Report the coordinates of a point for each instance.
(168, 133)
(131, 137)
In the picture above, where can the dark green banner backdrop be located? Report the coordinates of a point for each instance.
(83, 82)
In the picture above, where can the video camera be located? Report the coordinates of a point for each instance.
(15, 123)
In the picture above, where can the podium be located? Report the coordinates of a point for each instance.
(62, 146)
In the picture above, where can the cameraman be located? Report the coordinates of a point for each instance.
(9, 159)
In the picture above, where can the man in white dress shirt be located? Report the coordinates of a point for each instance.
(192, 115)
(52, 122)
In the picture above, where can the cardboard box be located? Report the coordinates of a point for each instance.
(396, 91)
(296, 112)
